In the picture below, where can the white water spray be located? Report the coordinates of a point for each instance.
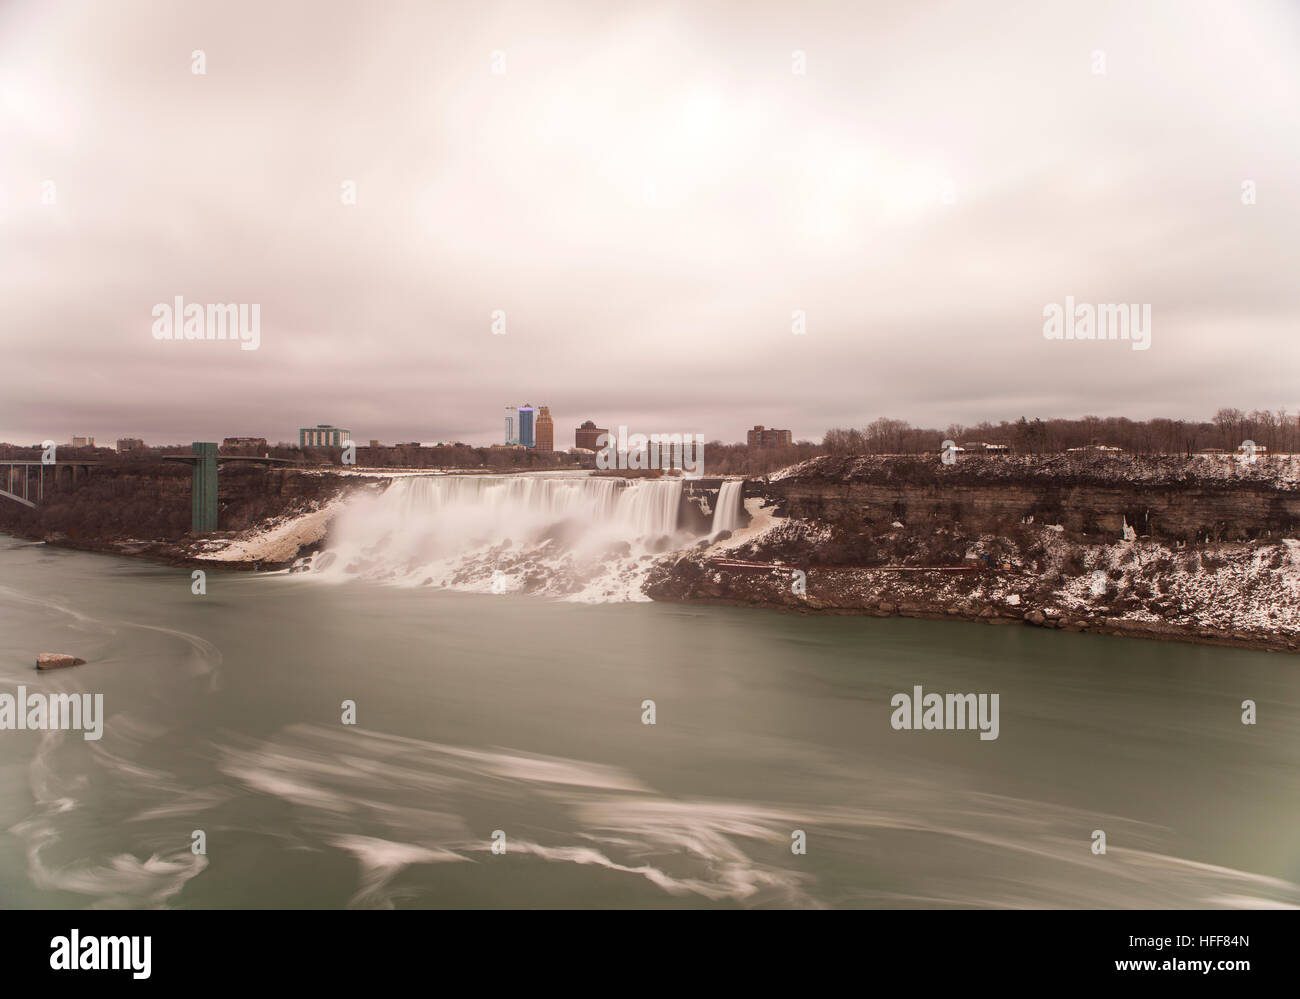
(582, 536)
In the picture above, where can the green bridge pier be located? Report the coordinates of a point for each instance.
(203, 460)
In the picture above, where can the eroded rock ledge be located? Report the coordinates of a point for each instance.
(1141, 548)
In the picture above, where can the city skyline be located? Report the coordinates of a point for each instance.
(756, 435)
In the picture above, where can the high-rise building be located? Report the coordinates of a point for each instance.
(526, 425)
(588, 436)
(762, 436)
(323, 435)
(125, 444)
(545, 430)
(510, 426)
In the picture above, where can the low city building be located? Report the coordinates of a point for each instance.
(323, 435)
(587, 437)
(762, 436)
(583, 457)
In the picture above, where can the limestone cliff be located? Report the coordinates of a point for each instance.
(1211, 553)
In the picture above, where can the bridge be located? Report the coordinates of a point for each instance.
(31, 478)
(204, 459)
(17, 475)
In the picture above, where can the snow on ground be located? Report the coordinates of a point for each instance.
(1277, 471)
(761, 520)
(1252, 587)
(789, 470)
(279, 541)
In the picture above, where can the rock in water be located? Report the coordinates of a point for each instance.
(56, 660)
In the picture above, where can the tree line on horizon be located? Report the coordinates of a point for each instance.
(1279, 431)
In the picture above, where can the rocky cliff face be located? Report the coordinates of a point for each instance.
(146, 509)
(1010, 541)
(1175, 514)
(1172, 499)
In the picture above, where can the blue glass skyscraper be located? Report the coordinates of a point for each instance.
(526, 425)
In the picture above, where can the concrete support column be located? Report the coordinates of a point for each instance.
(205, 488)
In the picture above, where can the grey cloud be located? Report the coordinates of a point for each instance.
(648, 192)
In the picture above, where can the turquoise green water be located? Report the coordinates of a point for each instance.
(479, 714)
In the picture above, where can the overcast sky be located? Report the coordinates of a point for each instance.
(648, 191)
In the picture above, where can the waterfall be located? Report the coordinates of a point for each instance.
(726, 515)
(544, 532)
(649, 509)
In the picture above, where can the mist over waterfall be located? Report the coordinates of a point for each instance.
(726, 515)
(580, 536)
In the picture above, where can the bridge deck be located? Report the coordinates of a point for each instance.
(8, 465)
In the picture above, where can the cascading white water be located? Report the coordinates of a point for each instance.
(726, 515)
(648, 509)
(549, 533)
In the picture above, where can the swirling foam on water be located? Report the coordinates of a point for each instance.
(119, 881)
(59, 777)
(996, 851)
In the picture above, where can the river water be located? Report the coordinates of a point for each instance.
(516, 720)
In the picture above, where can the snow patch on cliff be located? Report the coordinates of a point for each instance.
(278, 540)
